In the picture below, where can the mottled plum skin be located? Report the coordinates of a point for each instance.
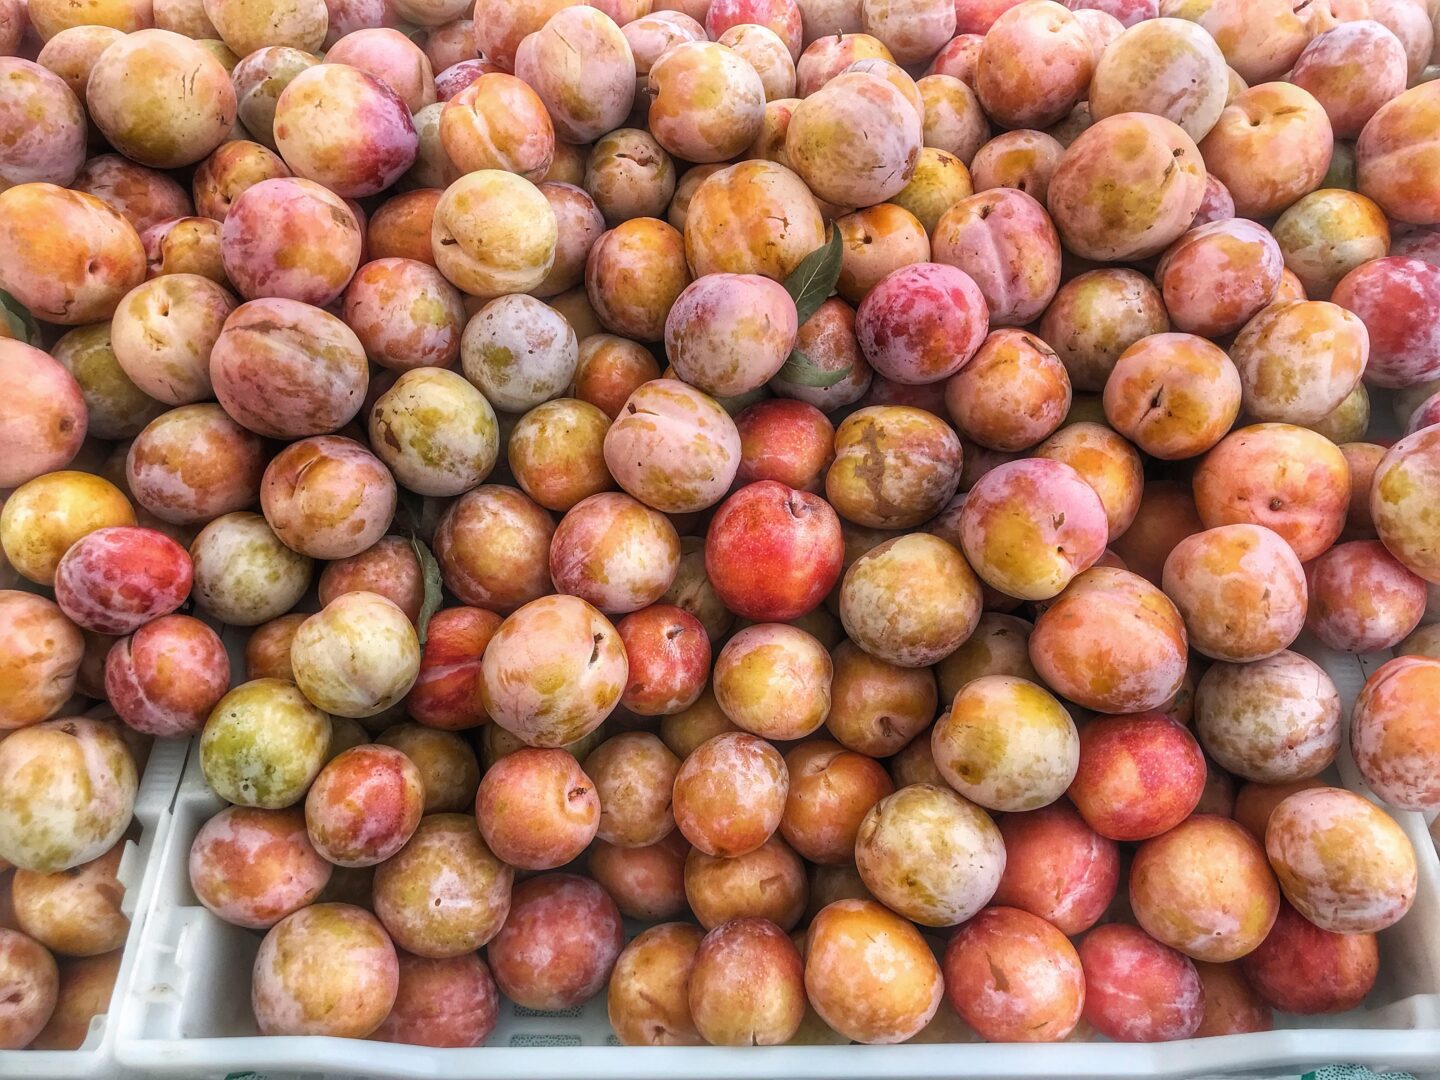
(328, 497)
(1139, 775)
(766, 883)
(264, 744)
(559, 943)
(1330, 65)
(1396, 154)
(293, 238)
(1390, 296)
(1218, 276)
(46, 416)
(1028, 527)
(40, 657)
(1172, 68)
(1219, 579)
(339, 126)
(244, 574)
(72, 257)
(706, 102)
(67, 794)
(1004, 240)
(392, 58)
(794, 534)
(910, 602)
(52, 150)
(449, 1002)
(365, 804)
(1341, 861)
(446, 694)
(405, 314)
(1362, 599)
(888, 999)
(537, 809)
(584, 100)
(498, 122)
(747, 986)
(444, 894)
(633, 274)
(285, 369)
(1302, 969)
(1403, 502)
(1012, 395)
(648, 1001)
(898, 851)
(1095, 317)
(1126, 188)
(114, 580)
(730, 794)
(1057, 867)
(1273, 721)
(673, 448)
(328, 969)
(166, 677)
(253, 867)
(729, 333)
(785, 440)
(827, 146)
(922, 323)
(1394, 737)
(756, 217)
(1299, 360)
(1205, 889)
(492, 545)
(895, 467)
(32, 986)
(1291, 480)
(668, 653)
(74, 912)
(1138, 990)
(1014, 978)
(610, 369)
(614, 552)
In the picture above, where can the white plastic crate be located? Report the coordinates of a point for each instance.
(139, 873)
(187, 1013)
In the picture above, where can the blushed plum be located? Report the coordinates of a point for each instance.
(449, 1002)
(1300, 968)
(244, 574)
(559, 943)
(1057, 867)
(43, 123)
(1138, 990)
(1127, 187)
(1362, 599)
(584, 100)
(1019, 92)
(492, 545)
(1392, 736)
(392, 58)
(706, 102)
(446, 762)
(886, 999)
(1404, 341)
(163, 332)
(186, 245)
(1341, 860)
(328, 969)
(1395, 154)
(40, 655)
(730, 794)
(253, 867)
(32, 983)
(498, 122)
(646, 883)
(114, 580)
(1240, 589)
(537, 809)
(1218, 276)
(1122, 790)
(1286, 478)
(877, 707)
(1273, 721)
(405, 314)
(767, 883)
(1260, 41)
(72, 257)
(1270, 146)
(167, 677)
(260, 78)
(46, 415)
(1299, 360)
(1014, 978)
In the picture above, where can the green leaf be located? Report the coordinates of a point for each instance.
(802, 372)
(434, 585)
(22, 325)
(811, 283)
